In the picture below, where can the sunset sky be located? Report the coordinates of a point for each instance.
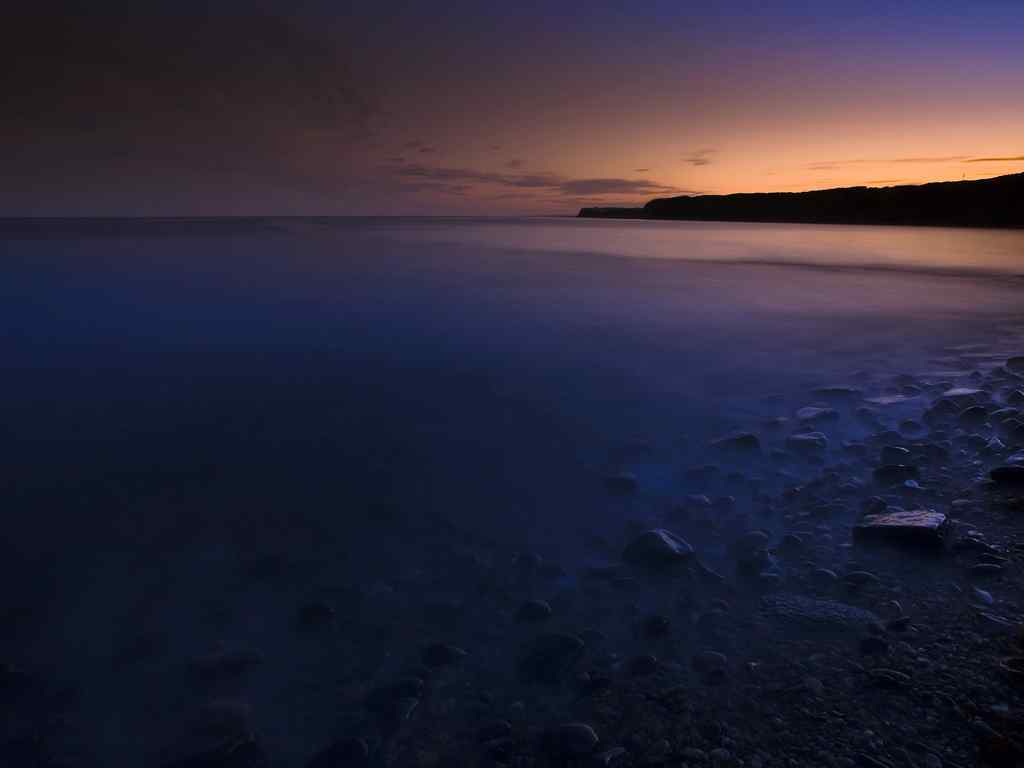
(479, 108)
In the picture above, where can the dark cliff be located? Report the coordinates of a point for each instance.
(997, 202)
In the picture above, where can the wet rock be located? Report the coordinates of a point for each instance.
(533, 612)
(889, 475)
(985, 571)
(974, 416)
(344, 753)
(740, 444)
(571, 740)
(549, 658)
(438, 655)
(709, 662)
(645, 664)
(657, 549)
(892, 454)
(807, 443)
(889, 679)
(621, 484)
(1010, 476)
(814, 414)
(860, 579)
(814, 612)
(1015, 364)
(925, 528)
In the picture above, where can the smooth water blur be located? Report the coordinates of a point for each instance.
(185, 400)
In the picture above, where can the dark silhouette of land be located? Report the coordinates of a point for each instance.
(997, 202)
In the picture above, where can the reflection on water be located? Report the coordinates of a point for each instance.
(987, 250)
(188, 402)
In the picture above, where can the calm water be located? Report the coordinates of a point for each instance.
(186, 400)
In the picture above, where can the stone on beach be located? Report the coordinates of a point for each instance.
(818, 613)
(744, 443)
(920, 527)
(807, 443)
(657, 548)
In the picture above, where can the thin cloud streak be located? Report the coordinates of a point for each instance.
(1018, 159)
(542, 182)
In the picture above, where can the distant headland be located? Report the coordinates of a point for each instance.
(997, 202)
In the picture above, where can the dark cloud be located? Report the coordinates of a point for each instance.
(544, 182)
(185, 95)
(1018, 159)
(514, 163)
(700, 157)
(831, 165)
(641, 170)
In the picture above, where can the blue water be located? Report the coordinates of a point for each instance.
(183, 400)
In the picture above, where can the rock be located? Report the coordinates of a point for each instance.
(1011, 476)
(807, 443)
(985, 571)
(983, 597)
(741, 444)
(889, 678)
(571, 740)
(708, 662)
(621, 484)
(645, 664)
(533, 612)
(657, 549)
(860, 579)
(925, 528)
(817, 613)
(549, 658)
(813, 414)
(344, 753)
(1015, 364)
(889, 475)
(973, 416)
(438, 655)
(892, 454)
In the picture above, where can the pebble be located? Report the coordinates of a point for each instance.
(571, 740)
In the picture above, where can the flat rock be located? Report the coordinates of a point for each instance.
(807, 443)
(897, 526)
(813, 612)
(657, 548)
(741, 443)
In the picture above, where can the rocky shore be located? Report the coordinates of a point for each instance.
(840, 586)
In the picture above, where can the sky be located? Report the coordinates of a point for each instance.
(471, 108)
